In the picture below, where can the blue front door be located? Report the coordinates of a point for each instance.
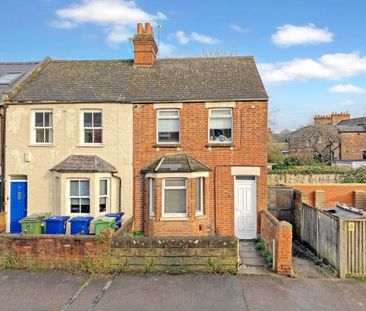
(18, 204)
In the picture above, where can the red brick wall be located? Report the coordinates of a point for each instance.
(334, 193)
(352, 146)
(2, 222)
(52, 251)
(250, 149)
(281, 232)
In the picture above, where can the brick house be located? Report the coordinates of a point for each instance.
(353, 137)
(343, 136)
(196, 130)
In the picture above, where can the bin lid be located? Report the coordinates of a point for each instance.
(85, 219)
(57, 218)
(119, 214)
(31, 219)
(103, 220)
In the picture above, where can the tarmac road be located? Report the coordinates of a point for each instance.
(21, 290)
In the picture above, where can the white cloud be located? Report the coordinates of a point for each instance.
(328, 67)
(166, 49)
(118, 17)
(289, 35)
(238, 28)
(182, 38)
(203, 38)
(194, 36)
(346, 88)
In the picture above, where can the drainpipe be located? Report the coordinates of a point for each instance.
(3, 108)
(119, 191)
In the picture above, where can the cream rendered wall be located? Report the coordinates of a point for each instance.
(116, 149)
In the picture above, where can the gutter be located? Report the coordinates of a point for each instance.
(3, 108)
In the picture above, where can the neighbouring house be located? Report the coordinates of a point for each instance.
(179, 144)
(341, 137)
(11, 73)
(353, 137)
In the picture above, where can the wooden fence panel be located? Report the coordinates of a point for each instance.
(309, 226)
(353, 241)
(328, 233)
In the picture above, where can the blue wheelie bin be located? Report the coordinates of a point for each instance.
(118, 218)
(80, 225)
(56, 224)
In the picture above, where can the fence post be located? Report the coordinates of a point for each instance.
(341, 250)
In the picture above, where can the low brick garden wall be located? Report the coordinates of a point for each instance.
(83, 253)
(178, 255)
(2, 222)
(118, 253)
(281, 232)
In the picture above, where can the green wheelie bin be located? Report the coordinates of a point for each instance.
(102, 223)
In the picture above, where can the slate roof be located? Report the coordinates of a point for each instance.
(84, 163)
(352, 125)
(176, 163)
(180, 79)
(21, 67)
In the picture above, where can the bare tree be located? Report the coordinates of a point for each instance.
(218, 52)
(320, 141)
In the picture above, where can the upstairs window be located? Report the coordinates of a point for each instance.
(104, 195)
(220, 125)
(42, 127)
(168, 126)
(79, 196)
(92, 131)
(9, 77)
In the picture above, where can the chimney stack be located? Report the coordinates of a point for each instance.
(145, 48)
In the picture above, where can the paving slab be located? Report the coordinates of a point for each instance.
(41, 291)
(178, 293)
(288, 294)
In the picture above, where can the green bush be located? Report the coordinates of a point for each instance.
(309, 170)
(355, 176)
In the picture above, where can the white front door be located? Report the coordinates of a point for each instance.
(245, 207)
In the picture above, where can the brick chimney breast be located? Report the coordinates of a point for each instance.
(145, 48)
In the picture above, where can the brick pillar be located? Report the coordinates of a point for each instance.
(283, 258)
(359, 199)
(319, 199)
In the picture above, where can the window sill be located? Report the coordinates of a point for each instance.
(41, 145)
(174, 219)
(201, 216)
(167, 145)
(90, 146)
(219, 145)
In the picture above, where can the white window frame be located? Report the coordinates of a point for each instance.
(158, 117)
(224, 116)
(168, 215)
(35, 128)
(107, 196)
(151, 197)
(78, 197)
(82, 128)
(201, 211)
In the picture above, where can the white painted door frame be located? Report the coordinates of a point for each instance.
(245, 207)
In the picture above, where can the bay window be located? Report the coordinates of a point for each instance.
(79, 196)
(175, 197)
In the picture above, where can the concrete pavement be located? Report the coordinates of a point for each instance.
(20, 290)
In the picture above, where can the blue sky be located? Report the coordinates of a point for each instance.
(311, 54)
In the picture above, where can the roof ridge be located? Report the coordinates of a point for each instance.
(20, 63)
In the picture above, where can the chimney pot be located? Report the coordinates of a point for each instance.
(139, 28)
(148, 28)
